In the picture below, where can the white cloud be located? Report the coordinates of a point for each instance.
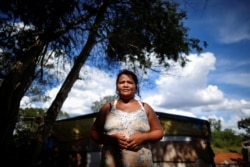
(190, 94)
(186, 92)
(231, 31)
(188, 85)
(94, 85)
(236, 78)
(231, 21)
(26, 103)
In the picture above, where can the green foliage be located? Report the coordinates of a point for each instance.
(215, 124)
(25, 133)
(245, 124)
(35, 33)
(25, 24)
(29, 120)
(224, 141)
(97, 104)
(159, 32)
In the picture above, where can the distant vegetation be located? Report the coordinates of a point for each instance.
(30, 119)
(227, 140)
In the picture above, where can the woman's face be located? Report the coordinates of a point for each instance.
(126, 86)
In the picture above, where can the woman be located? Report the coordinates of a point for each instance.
(126, 126)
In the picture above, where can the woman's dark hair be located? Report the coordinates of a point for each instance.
(132, 74)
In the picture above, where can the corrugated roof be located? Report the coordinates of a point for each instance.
(174, 125)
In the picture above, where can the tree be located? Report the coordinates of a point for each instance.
(24, 138)
(245, 124)
(26, 35)
(215, 125)
(226, 140)
(121, 30)
(98, 104)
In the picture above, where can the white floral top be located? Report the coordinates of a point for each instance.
(118, 121)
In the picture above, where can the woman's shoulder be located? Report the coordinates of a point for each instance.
(146, 107)
(107, 106)
(143, 103)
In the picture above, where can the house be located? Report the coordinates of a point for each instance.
(186, 142)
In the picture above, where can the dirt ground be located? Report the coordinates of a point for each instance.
(228, 158)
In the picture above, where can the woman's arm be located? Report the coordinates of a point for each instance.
(155, 133)
(97, 129)
(97, 133)
(156, 130)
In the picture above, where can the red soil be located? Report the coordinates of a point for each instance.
(228, 157)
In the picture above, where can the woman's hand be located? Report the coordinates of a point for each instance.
(130, 143)
(121, 140)
(134, 141)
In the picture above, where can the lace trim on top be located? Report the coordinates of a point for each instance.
(127, 118)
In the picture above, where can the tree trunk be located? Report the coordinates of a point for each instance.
(73, 75)
(12, 90)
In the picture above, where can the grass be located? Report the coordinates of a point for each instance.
(237, 149)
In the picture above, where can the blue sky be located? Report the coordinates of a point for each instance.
(215, 84)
